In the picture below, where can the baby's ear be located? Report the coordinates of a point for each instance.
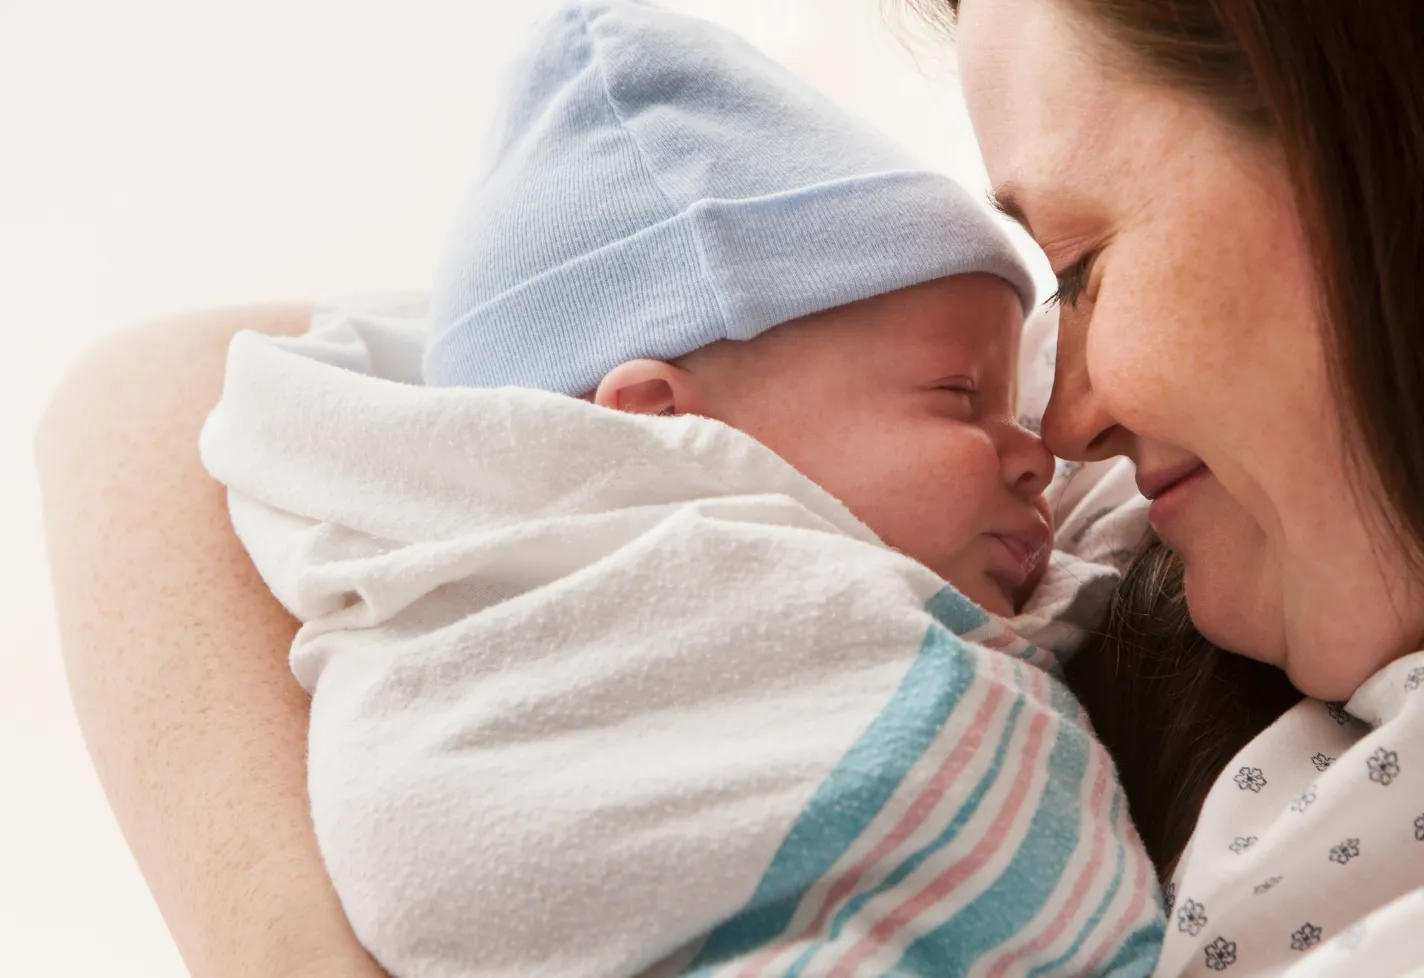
(649, 387)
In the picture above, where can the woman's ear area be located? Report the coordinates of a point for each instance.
(650, 387)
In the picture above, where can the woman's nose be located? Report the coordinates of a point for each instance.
(1027, 463)
(1075, 424)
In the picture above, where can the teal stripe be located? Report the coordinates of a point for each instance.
(1138, 955)
(850, 798)
(1102, 908)
(916, 859)
(956, 612)
(1021, 890)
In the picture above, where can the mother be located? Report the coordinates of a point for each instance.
(1230, 194)
(1230, 191)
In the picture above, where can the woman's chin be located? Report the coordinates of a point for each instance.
(1231, 611)
(1252, 611)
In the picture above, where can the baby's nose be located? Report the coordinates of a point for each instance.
(1027, 463)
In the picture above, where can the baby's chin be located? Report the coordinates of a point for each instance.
(993, 587)
(997, 577)
(992, 596)
(1025, 590)
(996, 574)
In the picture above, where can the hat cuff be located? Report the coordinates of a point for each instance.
(723, 269)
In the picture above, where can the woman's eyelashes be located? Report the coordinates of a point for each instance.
(1073, 281)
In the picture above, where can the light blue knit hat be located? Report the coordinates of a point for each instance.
(657, 185)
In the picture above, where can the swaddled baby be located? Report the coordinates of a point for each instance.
(902, 406)
(656, 633)
(662, 200)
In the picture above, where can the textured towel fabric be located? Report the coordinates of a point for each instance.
(604, 695)
(657, 185)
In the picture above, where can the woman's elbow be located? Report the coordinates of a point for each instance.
(156, 375)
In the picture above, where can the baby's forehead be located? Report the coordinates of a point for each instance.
(952, 327)
(958, 313)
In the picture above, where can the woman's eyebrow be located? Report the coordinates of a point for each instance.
(1005, 200)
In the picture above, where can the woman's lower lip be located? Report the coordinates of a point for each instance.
(1171, 501)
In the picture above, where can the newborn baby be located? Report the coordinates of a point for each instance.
(902, 407)
(659, 192)
(649, 635)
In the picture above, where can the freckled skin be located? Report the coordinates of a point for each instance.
(1197, 337)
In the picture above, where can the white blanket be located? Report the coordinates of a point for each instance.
(598, 695)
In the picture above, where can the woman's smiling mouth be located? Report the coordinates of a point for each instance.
(1170, 489)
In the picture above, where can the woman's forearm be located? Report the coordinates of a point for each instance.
(176, 656)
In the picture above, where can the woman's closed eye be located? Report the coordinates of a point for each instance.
(1073, 281)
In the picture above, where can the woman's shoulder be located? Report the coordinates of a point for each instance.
(1317, 824)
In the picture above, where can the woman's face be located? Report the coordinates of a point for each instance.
(1194, 345)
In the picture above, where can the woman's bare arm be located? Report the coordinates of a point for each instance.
(176, 655)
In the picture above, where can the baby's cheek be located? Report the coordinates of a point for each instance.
(961, 492)
(858, 473)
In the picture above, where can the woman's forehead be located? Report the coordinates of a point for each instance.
(1044, 104)
(1054, 112)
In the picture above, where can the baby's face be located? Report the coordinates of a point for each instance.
(902, 406)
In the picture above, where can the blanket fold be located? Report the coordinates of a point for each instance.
(603, 695)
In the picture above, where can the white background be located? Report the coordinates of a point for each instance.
(159, 155)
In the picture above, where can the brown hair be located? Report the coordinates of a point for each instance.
(1337, 87)
(1171, 708)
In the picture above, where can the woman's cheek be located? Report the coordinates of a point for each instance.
(1151, 351)
(1123, 364)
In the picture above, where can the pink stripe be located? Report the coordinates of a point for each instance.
(945, 883)
(1134, 911)
(919, 810)
(1081, 886)
(999, 640)
(1002, 639)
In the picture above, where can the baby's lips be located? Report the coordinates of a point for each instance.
(1032, 543)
